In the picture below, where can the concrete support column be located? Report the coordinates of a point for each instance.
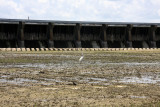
(94, 44)
(50, 35)
(144, 44)
(8, 44)
(153, 36)
(129, 36)
(1, 28)
(104, 36)
(69, 44)
(40, 44)
(78, 35)
(50, 44)
(21, 43)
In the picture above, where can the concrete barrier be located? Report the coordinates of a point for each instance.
(128, 48)
(147, 48)
(136, 49)
(13, 49)
(50, 49)
(46, 49)
(18, 49)
(23, 49)
(88, 49)
(41, 49)
(155, 48)
(92, 49)
(55, 49)
(143, 48)
(68, 49)
(77, 49)
(2, 49)
(101, 49)
(28, 49)
(37, 49)
(112, 49)
(151, 48)
(95, 49)
(108, 49)
(8, 49)
(124, 49)
(117, 49)
(58, 49)
(64, 49)
(133, 49)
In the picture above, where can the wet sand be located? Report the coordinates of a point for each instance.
(100, 79)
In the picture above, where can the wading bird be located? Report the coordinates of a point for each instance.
(81, 58)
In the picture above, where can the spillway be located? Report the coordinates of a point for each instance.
(21, 33)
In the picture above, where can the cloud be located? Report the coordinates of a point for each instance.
(83, 10)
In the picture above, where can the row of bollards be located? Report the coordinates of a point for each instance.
(75, 49)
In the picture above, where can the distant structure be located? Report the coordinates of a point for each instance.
(19, 33)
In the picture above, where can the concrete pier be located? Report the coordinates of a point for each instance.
(153, 39)
(78, 35)
(50, 35)
(129, 36)
(21, 42)
(104, 36)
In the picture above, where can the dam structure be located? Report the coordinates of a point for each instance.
(21, 33)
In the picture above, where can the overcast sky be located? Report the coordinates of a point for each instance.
(82, 10)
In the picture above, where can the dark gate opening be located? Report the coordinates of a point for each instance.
(86, 44)
(32, 44)
(158, 44)
(114, 44)
(137, 44)
(60, 44)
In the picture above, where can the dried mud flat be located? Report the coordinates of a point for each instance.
(122, 78)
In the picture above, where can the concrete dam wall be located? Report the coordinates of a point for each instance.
(18, 33)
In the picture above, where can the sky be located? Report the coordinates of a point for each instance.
(82, 10)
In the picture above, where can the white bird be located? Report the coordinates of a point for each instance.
(81, 58)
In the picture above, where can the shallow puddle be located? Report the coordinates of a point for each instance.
(140, 97)
(71, 64)
(17, 81)
(144, 78)
(52, 80)
(101, 81)
(141, 80)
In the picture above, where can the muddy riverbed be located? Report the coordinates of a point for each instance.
(100, 79)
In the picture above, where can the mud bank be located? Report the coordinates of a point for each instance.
(59, 79)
